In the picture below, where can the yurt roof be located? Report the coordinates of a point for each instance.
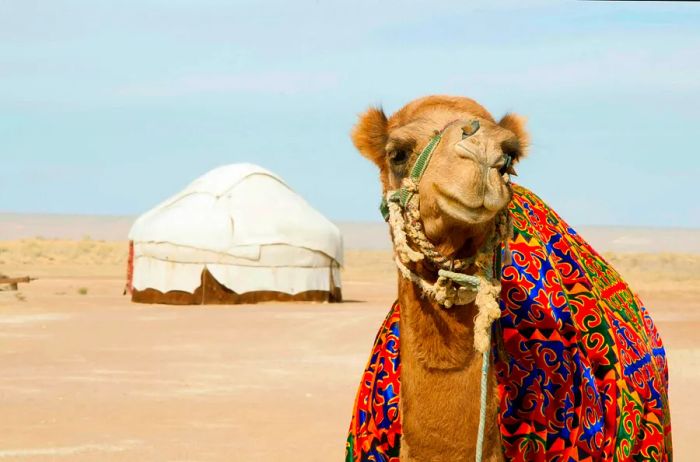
(236, 208)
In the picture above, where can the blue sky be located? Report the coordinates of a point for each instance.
(109, 107)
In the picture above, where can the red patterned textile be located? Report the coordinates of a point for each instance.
(375, 430)
(581, 370)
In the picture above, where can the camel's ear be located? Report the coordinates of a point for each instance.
(370, 135)
(516, 124)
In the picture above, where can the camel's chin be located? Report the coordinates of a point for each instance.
(461, 213)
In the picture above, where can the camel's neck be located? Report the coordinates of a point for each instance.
(439, 338)
(440, 375)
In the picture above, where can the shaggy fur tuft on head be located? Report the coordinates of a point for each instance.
(516, 124)
(370, 137)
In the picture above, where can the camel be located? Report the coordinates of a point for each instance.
(445, 166)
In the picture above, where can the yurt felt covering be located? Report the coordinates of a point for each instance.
(238, 234)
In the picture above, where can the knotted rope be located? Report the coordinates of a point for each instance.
(451, 287)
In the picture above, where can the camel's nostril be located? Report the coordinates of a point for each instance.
(508, 160)
(503, 164)
(471, 128)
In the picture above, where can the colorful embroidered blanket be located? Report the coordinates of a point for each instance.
(581, 371)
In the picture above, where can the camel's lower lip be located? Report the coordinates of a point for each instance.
(451, 206)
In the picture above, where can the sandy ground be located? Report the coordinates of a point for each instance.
(89, 376)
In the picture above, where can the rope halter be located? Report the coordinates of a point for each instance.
(453, 285)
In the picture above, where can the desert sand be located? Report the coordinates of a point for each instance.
(89, 376)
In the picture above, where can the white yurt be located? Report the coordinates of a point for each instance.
(237, 234)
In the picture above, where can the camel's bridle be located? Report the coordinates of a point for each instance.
(400, 208)
(417, 170)
(403, 195)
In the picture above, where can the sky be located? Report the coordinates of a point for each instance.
(109, 107)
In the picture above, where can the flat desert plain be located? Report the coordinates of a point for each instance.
(89, 376)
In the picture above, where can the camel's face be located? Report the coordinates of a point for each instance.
(465, 184)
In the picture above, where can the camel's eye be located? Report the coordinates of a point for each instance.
(398, 157)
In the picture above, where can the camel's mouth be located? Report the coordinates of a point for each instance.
(451, 205)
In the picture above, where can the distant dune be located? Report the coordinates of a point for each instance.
(356, 235)
(55, 226)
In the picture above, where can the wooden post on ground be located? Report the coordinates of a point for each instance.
(13, 282)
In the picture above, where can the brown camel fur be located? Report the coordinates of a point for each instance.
(460, 194)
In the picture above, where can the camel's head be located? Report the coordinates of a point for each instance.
(465, 183)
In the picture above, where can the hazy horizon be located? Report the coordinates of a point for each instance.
(4, 215)
(357, 235)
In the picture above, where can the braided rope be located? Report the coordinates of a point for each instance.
(485, 357)
(443, 293)
(487, 302)
(414, 229)
(401, 247)
(452, 288)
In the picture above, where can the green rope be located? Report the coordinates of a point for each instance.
(485, 359)
(419, 167)
(403, 195)
(424, 158)
(482, 411)
(462, 279)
